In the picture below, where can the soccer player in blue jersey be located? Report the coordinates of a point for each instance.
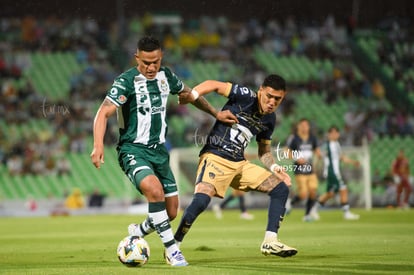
(139, 98)
(303, 146)
(222, 162)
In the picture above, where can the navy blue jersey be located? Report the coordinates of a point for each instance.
(229, 142)
(303, 149)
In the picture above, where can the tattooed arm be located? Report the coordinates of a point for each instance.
(106, 110)
(265, 154)
(266, 157)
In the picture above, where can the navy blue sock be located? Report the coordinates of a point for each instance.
(226, 201)
(295, 200)
(242, 205)
(309, 204)
(197, 206)
(278, 198)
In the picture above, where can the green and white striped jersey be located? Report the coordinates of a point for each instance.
(333, 159)
(142, 105)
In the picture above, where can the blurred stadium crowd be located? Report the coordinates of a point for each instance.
(196, 49)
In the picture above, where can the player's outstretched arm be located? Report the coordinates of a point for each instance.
(347, 159)
(106, 109)
(201, 103)
(208, 86)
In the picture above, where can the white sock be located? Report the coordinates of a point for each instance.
(163, 228)
(144, 228)
(345, 208)
(270, 236)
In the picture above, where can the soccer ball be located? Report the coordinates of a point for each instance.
(133, 251)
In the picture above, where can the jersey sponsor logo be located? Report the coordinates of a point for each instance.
(157, 110)
(122, 99)
(179, 83)
(113, 92)
(142, 106)
(143, 110)
(119, 86)
(218, 170)
(142, 99)
(140, 89)
(240, 134)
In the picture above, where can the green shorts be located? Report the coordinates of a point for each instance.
(138, 161)
(334, 183)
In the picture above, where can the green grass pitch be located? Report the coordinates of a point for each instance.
(381, 242)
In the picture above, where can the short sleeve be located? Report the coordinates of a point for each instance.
(118, 94)
(240, 93)
(176, 85)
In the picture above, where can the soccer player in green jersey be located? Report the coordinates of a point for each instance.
(139, 98)
(332, 173)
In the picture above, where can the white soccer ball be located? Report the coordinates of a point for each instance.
(133, 251)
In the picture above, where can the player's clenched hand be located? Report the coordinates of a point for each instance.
(227, 117)
(97, 156)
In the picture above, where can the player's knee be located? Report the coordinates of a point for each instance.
(303, 194)
(153, 194)
(281, 190)
(330, 195)
(313, 195)
(205, 188)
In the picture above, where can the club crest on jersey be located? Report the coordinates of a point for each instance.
(211, 175)
(164, 86)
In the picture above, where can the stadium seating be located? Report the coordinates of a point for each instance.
(200, 71)
(297, 69)
(383, 151)
(375, 45)
(51, 73)
(109, 179)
